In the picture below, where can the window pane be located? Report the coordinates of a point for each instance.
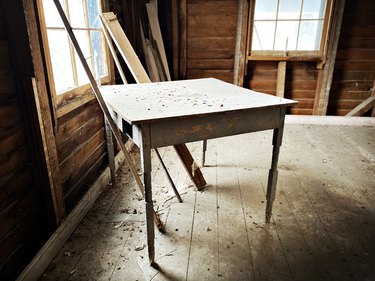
(83, 42)
(100, 67)
(60, 59)
(309, 35)
(265, 10)
(313, 9)
(51, 15)
(289, 9)
(263, 35)
(286, 35)
(93, 7)
(76, 13)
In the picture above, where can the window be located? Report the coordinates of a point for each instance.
(289, 26)
(66, 73)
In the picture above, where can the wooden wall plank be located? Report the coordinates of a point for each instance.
(212, 8)
(7, 87)
(13, 239)
(212, 64)
(91, 167)
(197, 31)
(13, 162)
(11, 140)
(79, 174)
(225, 75)
(214, 43)
(211, 39)
(350, 95)
(354, 69)
(71, 163)
(194, 53)
(12, 187)
(17, 173)
(15, 212)
(72, 121)
(66, 145)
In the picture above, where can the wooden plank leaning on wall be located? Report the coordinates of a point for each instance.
(325, 75)
(241, 41)
(53, 196)
(365, 106)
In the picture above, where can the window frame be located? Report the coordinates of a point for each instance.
(318, 56)
(71, 99)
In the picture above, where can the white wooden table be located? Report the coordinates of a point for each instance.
(170, 113)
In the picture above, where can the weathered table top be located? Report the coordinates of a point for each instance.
(142, 103)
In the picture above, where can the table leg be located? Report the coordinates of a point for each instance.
(204, 152)
(272, 176)
(145, 149)
(110, 151)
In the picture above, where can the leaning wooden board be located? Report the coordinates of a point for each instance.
(111, 24)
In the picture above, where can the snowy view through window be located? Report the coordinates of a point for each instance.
(288, 25)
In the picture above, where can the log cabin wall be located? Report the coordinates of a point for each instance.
(81, 150)
(354, 72)
(211, 39)
(24, 224)
(300, 82)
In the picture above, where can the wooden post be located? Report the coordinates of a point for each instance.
(241, 40)
(281, 73)
(182, 15)
(39, 84)
(326, 74)
(110, 151)
(175, 39)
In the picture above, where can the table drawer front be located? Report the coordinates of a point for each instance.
(183, 130)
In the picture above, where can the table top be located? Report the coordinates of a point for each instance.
(147, 102)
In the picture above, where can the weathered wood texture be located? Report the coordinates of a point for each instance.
(355, 62)
(23, 226)
(300, 82)
(322, 224)
(211, 39)
(81, 148)
(354, 67)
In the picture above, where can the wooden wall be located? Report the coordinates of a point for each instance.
(211, 31)
(26, 207)
(23, 223)
(81, 150)
(300, 82)
(211, 38)
(354, 72)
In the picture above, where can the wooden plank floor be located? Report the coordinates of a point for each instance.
(322, 227)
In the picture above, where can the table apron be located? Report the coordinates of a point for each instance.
(182, 130)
